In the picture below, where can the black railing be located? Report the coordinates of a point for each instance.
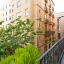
(46, 1)
(46, 21)
(54, 54)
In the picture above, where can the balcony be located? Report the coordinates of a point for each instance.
(50, 23)
(46, 1)
(50, 13)
(46, 10)
(53, 32)
(50, 5)
(49, 39)
(53, 24)
(46, 40)
(50, 32)
(46, 21)
(47, 33)
(54, 55)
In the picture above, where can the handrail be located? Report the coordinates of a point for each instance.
(43, 55)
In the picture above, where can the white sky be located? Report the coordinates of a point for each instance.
(59, 5)
(1, 3)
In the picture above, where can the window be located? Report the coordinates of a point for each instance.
(45, 17)
(18, 4)
(6, 13)
(6, 19)
(6, 7)
(10, 11)
(3, 14)
(9, 4)
(39, 11)
(59, 27)
(6, 25)
(12, 17)
(26, 12)
(3, 26)
(19, 14)
(26, 0)
(3, 9)
(9, 18)
(12, 7)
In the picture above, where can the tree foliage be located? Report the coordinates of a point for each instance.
(18, 34)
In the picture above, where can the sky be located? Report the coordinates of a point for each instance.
(59, 5)
(1, 3)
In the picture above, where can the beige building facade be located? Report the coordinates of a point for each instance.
(59, 27)
(34, 9)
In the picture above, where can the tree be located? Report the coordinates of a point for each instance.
(18, 34)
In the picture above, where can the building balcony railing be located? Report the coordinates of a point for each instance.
(49, 39)
(50, 23)
(50, 13)
(49, 31)
(53, 23)
(46, 1)
(46, 10)
(50, 5)
(46, 21)
(53, 37)
(46, 31)
(54, 54)
(46, 40)
(53, 32)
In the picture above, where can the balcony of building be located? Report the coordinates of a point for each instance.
(53, 24)
(50, 5)
(50, 23)
(46, 1)
(50, 13)
(46, 21)
(54, 55)
(46, 9)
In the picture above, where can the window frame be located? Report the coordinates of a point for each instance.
(18, 3)
(18, 13)
(25, 12)
(26, 0)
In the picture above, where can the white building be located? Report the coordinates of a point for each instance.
(6, 13)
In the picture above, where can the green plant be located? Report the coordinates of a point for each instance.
(18, 34)
(53, 41)
(27, 55)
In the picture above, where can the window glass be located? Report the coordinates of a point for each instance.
(26, 12)
(19, 14)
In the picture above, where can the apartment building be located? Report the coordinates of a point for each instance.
(0, 17)
(34, 9)
(59, 31)
(6, 13)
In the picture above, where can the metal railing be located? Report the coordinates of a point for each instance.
(54, 54)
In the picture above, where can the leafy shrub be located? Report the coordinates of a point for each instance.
(27, 55)
(53, 41)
